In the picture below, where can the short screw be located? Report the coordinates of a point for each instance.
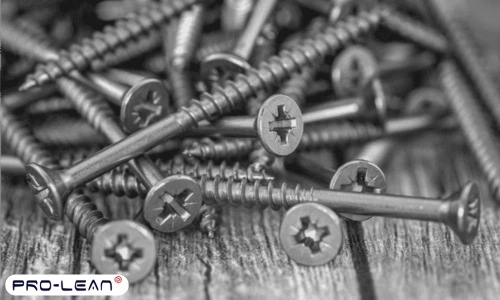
(354, 176)
(460, 211)
(311, 234)
(141, 105)
(80, 56)
(278, 125)
(226, 65)
(60, 183)
(477, 131)
(226, 148)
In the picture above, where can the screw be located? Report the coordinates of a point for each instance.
(415, 31)
(211, 106)
(278, 125)
(141, 105)
(180, 45)
(460, 211)
(226, 65)
(48, 106)
(371, 105)
(209, 219)
(17, 100)
(467, 55)
(311, 234)
(80, 56)
(226, 148)
(11, 165)
(354, 176)
(477, 131)
(76, 132)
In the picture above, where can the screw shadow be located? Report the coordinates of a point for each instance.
(356, 241)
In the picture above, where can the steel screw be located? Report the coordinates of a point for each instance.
(226, 148)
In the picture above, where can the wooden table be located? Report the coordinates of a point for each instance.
(381, 258)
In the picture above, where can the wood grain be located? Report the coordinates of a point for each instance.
(381, 258)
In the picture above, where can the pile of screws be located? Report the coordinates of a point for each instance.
(191, 105)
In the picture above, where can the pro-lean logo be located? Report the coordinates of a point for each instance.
(66, 285)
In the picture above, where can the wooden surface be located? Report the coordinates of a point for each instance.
(381, 258)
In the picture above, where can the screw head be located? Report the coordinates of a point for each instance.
(311, 234)
(358, 176)
(464, 212)
(225, 65)
(144, 104)
(426, 99)
(48, 188)
(172, 203)
(279, 125)
(352, 69)
(124, 247)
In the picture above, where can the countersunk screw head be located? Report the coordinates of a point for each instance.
(465, 212)
(311, 234)
(225, 65)
(279, 125)
(172, 203)
(48, 188)
(144, 104)
(124, 247)
(352, 69)
(358, 176)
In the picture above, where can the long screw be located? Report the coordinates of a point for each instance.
(227, 148)
(461, 211)
(468, 57)
(80, 56)
(57, 184)
(477, 131)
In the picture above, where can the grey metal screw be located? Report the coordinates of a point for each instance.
(228, 64)
(80, 56)
(49, 105)
(226, 148)
(476, 129)
(278, 125)
(354, 176)
(460, 211)
(57, 184)
(68, 132)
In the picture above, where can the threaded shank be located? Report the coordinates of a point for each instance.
(48, 106)
(476, 130)
(68, 132)
(84, 214)
(222, 149)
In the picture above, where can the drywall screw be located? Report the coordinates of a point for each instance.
(17, 100)
(121, 182)
(468, 57)
(226, 148)
(226, 65)
(371, 105)
(209, 219)
(180, 45)
(141, 105)
(415, 31)
(477, 131)
(341, 133)
(311, 234)
(461, 211)
(68, 132)
(49, 106)
(278, 125)
(354, 176)
(234, 14)
(57, 184)
(80, 56)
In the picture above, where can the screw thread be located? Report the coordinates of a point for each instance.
(209, 219)
(415, 31)
(75, 132)
(467, 54)
(215, 43)
(207, 149)
(22, 142)
(319, 136)
(68, 158)
(119, 182)
(50, 105)
(474, 126)
(275, 70)
(84, 214)
(80, 56)
(219, 191)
